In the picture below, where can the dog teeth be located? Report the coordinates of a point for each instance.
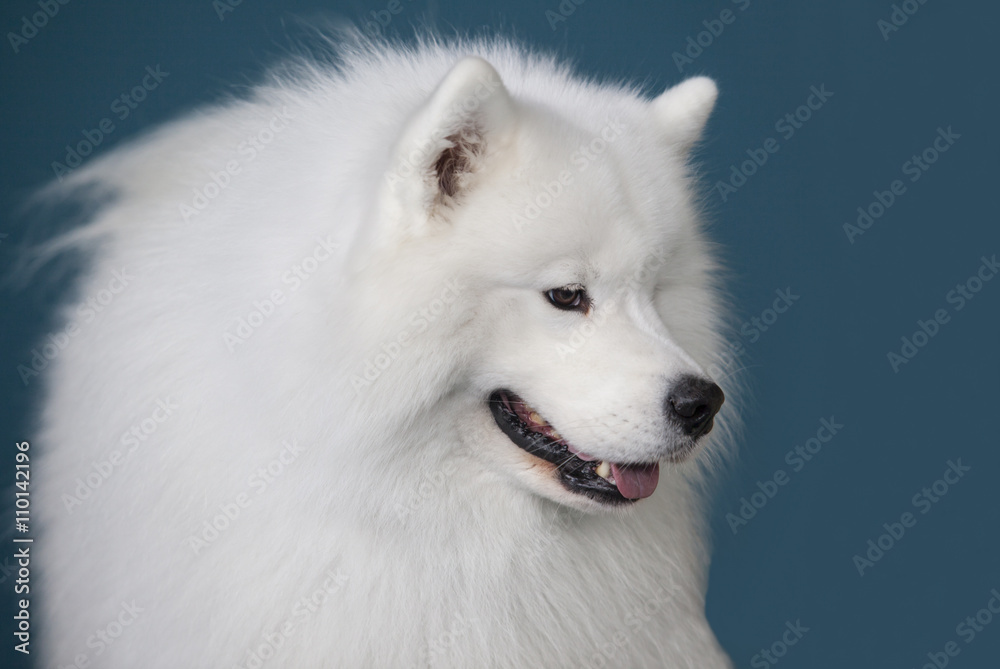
(535, 418)
(555, 436)
(603, 470)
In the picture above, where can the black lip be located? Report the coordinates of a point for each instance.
(576, 475)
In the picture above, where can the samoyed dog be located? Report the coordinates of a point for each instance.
(399, 360)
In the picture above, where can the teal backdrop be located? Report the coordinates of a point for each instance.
(850, 177)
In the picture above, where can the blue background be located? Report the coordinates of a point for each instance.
(826, 356)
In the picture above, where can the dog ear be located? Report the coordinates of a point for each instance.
(447, 141)
(682, 111)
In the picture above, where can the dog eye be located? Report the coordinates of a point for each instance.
(569, 299)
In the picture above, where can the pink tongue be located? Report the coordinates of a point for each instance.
(636, 481)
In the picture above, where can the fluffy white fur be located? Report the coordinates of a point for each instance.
(423, 535)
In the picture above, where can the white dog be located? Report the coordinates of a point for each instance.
(380, 367)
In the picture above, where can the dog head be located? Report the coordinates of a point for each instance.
(588, 307)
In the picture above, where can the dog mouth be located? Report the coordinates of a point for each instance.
(612, 483)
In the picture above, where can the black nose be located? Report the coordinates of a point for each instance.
(692, 403)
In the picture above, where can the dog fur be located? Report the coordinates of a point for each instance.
(297, 484)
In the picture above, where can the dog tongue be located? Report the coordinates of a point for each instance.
(636, 481)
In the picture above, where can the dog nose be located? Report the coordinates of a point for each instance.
(692, 403)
